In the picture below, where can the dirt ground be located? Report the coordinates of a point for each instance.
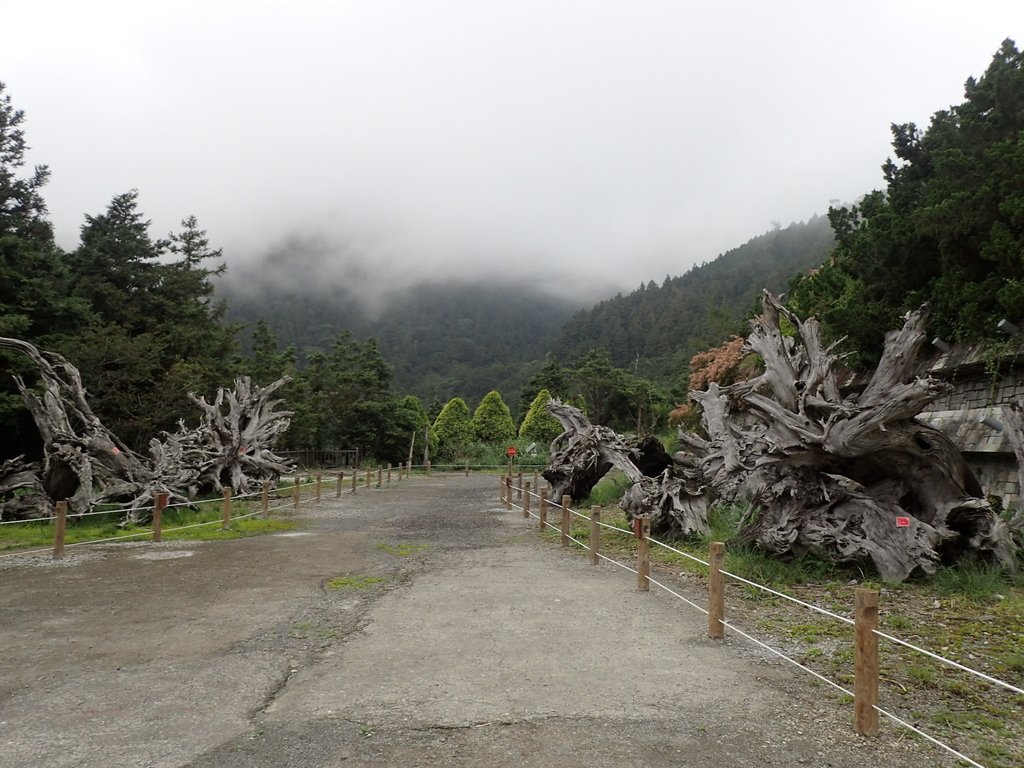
(480, 645)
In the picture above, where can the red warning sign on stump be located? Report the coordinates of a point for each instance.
(510, 451)
(902, 522)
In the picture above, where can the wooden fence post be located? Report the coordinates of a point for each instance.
(508, 493)
(536, 480)
(643, 554)
(566, 519)
(380, 475)
(337, 488)
(369, 476)
(319, 479)
(159, 504)
(355, 479)
(716, 591)
(467, 467)
(519, 487)
(542, 513)
(226, 510)
(296, 493)
(595, 534)
(865, 655)
(428, 467)
(389, 473)
(265, 499)
(526, 499)
(59, 530)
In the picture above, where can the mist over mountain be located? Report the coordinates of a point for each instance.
(464, 335)
(445, 337)
(656, 329)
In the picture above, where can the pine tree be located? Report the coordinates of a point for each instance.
(492, 420)
(453, 428)
(539, 424)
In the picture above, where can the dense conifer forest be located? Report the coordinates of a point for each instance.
(148, 317)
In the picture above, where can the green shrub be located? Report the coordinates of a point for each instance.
(492, 420)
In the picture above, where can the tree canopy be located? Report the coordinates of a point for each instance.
(492, 420)
(948, 229)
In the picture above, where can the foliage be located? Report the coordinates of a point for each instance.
(616, 398)
(453, 428)
(716, 365)
(539, 424)
(490, 335)
(948, 229)
(655, 330)
(492, 420)
(34, 297)
(607, 492)
(552, 377)
(354, 581)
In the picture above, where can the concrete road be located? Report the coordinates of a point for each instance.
(479, 646)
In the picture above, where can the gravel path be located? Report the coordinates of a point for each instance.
(456, 638)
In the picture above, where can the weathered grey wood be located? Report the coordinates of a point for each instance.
(831, 475)
(585, 452)
(85, 463)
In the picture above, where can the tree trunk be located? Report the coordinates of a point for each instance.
(850, 478)
(86, 464)
(585, 452)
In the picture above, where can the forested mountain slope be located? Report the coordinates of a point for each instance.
(443, 338)
(657, 329)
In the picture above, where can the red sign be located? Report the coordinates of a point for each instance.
(902, 522)
(511, 451)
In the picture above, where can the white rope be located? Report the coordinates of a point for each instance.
(951, 663)
(579, 514)
(616, 528)
(933, 740)
(781, 655)
(822, 611)
(552, 527)
(678, 551)
(578, 542)
(29, 520)
(26, 552)
(616, 562)
(672, 592)
(147, 532)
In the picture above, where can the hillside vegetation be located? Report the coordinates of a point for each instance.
(657, 329)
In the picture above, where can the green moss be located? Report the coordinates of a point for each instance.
(353, 581)
(402, 550)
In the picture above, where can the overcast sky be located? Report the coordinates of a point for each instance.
(630, 139)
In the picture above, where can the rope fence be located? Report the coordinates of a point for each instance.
(865, 621)
(519, 493)
(160, 505)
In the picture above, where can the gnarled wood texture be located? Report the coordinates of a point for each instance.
(86, 464)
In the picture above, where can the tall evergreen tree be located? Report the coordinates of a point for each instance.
(453, 428)
(34, 300)
(538, 424)
(492, 420)
(948, 229)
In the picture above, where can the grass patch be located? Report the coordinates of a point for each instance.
(607, 492)
(973, 614)
(402, 550)
(39, 535)
(353, 581)
(977, 581)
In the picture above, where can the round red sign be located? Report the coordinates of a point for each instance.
(511, 451)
